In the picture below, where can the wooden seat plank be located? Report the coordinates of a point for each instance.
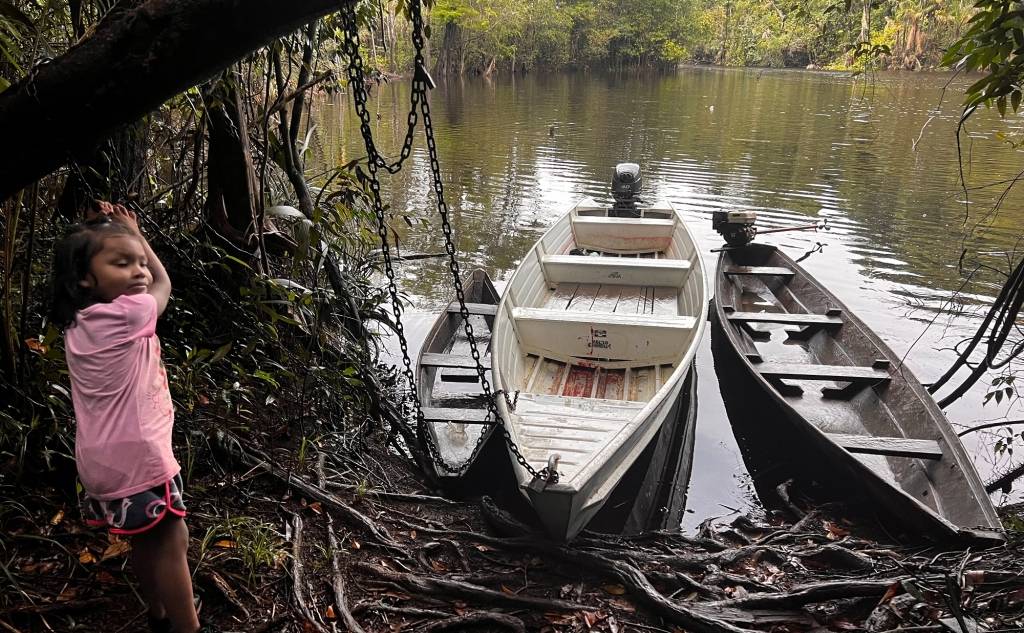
(758, 270)
(452, 361)
(889, 446)
(785, 318)
(625, 270)
(459, 416)
(479, 309)
(843, 373)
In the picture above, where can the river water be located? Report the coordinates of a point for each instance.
(875, 155)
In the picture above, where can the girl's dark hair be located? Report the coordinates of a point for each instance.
(72, 256)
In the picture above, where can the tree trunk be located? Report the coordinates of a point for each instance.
(722, 51)
(232, 203)
(865, 22)
(112, 171)
(132, 63)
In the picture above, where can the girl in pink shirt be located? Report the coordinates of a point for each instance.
(109, 289)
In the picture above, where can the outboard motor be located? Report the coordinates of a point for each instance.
(626, 185)
(737, 227)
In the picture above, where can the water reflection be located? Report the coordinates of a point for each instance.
(876, 157)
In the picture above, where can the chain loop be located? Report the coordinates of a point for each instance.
(422, 82)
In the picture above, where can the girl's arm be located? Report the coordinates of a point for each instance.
(161, 286)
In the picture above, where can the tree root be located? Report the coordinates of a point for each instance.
(808, 594)
(298, 578)
(460, 622)
(230, 446)
(456, 589)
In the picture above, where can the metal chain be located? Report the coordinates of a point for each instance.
(422, 82)
(358, 85)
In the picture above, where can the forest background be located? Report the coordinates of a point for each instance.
(482, 36)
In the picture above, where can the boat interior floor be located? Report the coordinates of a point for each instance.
(456, 382)
(614, 298)
(819, 379)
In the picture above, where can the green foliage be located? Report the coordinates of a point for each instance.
(993, 43)
(841, 34)
(251, 542)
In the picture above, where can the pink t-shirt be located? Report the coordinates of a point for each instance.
(122, 403)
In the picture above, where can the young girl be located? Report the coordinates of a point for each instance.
(109, 289)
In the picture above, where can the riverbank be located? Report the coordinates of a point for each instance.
(348, 537)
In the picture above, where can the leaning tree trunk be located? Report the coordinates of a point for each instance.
(131, 64)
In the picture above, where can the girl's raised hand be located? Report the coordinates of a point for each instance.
(121, 214)
(116, 212)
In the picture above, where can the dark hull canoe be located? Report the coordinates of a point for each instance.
(449, 389)
(854, 413)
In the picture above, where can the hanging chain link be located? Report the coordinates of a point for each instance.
(421, 83)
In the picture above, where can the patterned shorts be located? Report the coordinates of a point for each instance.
(139, 512)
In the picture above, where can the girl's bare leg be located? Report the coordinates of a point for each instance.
(164, 549)
(142, 562)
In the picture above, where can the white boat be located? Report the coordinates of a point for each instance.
(592, 342)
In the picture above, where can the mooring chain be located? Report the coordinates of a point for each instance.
(358, 85)
(453, 266)
(420, 85)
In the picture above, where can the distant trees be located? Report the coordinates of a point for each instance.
(481, 36)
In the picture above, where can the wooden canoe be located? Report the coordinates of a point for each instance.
(593, 339)
(858, 414)
(449, 389)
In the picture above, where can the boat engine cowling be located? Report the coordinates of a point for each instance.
(626, 185)
(737, 227)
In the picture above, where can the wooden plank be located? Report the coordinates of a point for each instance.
(664, 371)
(889, 446)
(452, 361)
(610, 384)
(641, 384)
(626, 270)
(629, 300)
(459, 416)
(606, 299)
(548, 378)
(584, 298)
(529, 366)
(758, 270)
(786, 318)
(648, 293)
(580, 382)
(561, 296)
(666, 301)
(844, 373)
(480, 309)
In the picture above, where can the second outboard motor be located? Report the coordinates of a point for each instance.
(626, 185)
